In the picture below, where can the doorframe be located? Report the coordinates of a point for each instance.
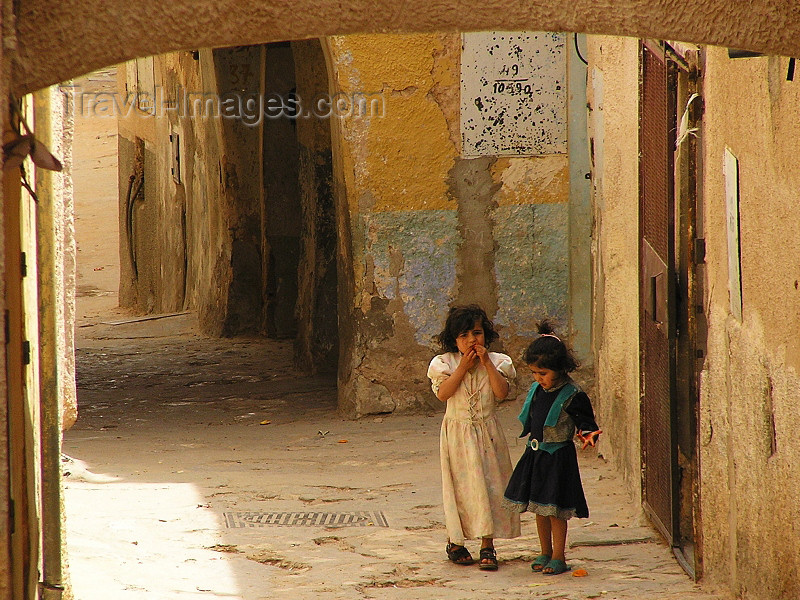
(684, 301)
(660, 293)
(689, 257)
(21, 375)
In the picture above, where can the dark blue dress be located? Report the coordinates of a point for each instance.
(550, 484)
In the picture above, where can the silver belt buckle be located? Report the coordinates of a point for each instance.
(534, 444)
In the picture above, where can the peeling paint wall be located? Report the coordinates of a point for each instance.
(416, 225)
(531, 231)
(431, 226)
(512, 93)
(749, 496)
(394, 191)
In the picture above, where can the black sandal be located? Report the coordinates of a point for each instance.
(459, 554)
(490, 556)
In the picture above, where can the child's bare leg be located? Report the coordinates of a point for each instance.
(558, 528)
(544, 529)
(487, 543)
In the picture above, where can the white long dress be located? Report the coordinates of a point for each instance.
(476, 465)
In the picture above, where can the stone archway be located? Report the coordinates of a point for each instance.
(53, 43)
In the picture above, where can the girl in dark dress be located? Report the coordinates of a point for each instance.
(546, 480)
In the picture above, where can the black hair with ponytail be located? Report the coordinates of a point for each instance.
(549, 352)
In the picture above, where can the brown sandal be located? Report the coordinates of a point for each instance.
(490, 556)
(459, 554)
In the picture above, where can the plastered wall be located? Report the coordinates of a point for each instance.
(56, 131)
(749, 456)
(613, 130)
(431, 227)
(748, 478)
(206, 227)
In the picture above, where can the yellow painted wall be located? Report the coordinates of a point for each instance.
(402, 158)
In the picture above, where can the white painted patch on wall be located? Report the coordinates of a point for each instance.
(513, 93)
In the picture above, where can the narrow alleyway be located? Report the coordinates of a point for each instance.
(210, 468)
(187, 448)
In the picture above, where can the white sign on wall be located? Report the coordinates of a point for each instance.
(513, 93)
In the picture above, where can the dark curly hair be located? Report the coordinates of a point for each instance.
(461, 319)
(549, 352)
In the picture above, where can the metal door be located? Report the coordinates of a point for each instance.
(657, 281)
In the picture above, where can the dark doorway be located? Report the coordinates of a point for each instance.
(281, 214)
(298, 215)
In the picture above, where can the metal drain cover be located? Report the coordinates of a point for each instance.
(306, 519)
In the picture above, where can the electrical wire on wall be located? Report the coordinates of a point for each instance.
(577, 49)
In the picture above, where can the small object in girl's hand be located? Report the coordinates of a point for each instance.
(589, 438)
(580, 573)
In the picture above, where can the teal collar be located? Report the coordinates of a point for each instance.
(567, 391)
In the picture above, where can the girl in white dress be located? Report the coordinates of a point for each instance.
(476, 465)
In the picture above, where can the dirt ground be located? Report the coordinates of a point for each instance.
(211, 468)
(177, 432)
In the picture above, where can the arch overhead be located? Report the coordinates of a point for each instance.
(58, 41)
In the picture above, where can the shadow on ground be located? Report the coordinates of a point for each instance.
(211, 468)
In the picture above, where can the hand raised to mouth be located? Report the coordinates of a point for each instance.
(469, 357)
(482, 353)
